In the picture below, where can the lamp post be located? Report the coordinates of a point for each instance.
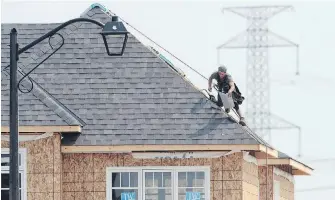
(111, 28)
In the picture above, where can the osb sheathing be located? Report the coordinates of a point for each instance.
(285, 168)
(286, 188)
(43, 168)
(262, 182)
(250, 180)
(84, 175)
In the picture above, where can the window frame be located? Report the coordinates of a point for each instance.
(157, 170)
(117, 170)
(207, 182)
(174, 170)
(22, 169)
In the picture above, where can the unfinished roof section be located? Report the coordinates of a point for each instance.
(298, 168)
(133, 99)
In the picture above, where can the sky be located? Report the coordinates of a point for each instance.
(192, 30)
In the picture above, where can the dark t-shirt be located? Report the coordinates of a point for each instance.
(222, 83)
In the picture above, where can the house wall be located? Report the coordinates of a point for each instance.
(262, 182)
(233, 177)
(43, 167)
(84, 175)
(226, 177)
(250, 180)
(51, 175)
(286, 181)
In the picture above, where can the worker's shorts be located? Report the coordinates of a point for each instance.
(219, 103)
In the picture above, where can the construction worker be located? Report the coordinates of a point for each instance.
(226, 85)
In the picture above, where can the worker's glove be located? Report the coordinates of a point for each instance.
(210, 89)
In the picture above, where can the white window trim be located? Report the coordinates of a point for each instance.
(140, 170)
(276, 190)
(109, 172)
(173, 180)
(22, 168)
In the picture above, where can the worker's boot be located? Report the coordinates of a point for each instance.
(242, 121)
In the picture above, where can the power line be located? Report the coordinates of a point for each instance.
(322, 160)
(160, 46)
(323, 188)
(258, 39)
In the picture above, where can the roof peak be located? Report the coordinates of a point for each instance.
(137, 99)
(99, 6)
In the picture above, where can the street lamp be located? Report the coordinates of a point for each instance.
(113, 28)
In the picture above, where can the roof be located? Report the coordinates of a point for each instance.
(282, 155)
(298, 168)
(133, 99)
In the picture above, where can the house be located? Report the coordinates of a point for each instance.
(130, 127)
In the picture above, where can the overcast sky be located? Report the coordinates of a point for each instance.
(193, 29)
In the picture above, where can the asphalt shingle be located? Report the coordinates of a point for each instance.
(133, 99)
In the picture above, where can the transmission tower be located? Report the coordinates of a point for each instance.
(257, 39)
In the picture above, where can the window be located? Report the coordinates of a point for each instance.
(5, 174)
(158, 183)
(192, 183)
(124, 184)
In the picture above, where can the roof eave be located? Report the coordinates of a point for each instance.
(297, 167)
(44, 129)
(169, 147)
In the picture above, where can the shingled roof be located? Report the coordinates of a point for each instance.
(133, 99)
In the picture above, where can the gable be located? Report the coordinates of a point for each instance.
(133, 99)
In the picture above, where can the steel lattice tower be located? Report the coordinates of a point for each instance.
(257, 39)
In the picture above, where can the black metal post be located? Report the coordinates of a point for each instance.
(13, 120)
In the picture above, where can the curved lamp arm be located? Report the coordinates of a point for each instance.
(55, 30)
(49, 35)
(27, 74)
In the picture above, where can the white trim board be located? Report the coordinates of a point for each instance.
(178, 155)
(22, 169)
(284, 174)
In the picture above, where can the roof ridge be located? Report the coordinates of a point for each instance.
(190, 112)
(152, 49)
(177, 71)
(97, 5)
(183, 76)
(256, 137)
(51, 102)
(60, 109)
